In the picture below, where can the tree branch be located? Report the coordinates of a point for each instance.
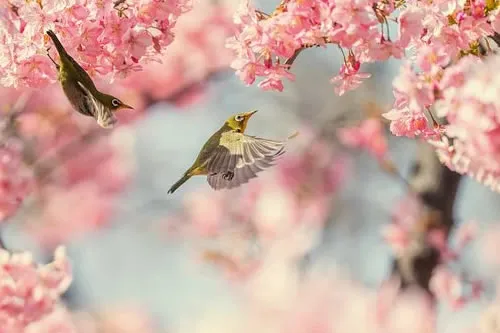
(188, 87)
(436, 186)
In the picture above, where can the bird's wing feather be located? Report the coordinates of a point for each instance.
(100, 112)
(244, 156)
(80, 73)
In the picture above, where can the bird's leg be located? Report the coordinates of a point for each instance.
(228, 175)
(55, 63)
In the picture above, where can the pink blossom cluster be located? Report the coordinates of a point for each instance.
(30, 292)
(196, 52)
(105, 37)
(15, 178)
(448, 77)
(358, 27)
(471, 142)
(368, 136)
(465, 96)
(438, 32)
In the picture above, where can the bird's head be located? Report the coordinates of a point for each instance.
(113, 103)
(238, 122)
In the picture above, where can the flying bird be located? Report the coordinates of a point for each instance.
(231, 158)
(81, 90)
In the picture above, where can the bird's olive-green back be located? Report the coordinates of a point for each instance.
(69, 69)
(209, 147)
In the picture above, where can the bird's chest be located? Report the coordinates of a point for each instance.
(62, 75)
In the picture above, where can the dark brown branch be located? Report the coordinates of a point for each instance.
(187, 88)
(436, 186)
(2, 242)
(291, 60)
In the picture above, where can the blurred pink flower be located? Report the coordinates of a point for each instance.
(123, 318)
(452, 288)
(69, 213)
(16, 180)
(405, 217)
(489, 247)
(367, 136)
(60, 320)
(30, 292)
(206, 211)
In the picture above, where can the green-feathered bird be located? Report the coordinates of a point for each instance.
(231, 158)
(81, 90)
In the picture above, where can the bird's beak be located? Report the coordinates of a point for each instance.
(125, 106)
(251, 113)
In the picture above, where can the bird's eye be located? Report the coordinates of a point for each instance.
(115, 102)
(238, 118)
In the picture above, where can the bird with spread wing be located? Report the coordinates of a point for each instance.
(81, 90)
(230, 158)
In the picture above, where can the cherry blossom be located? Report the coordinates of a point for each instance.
(264, 42)
(368, 136)
(29, 291)
(16, 180)
(196, 52)
(105, 37)
(471, 109)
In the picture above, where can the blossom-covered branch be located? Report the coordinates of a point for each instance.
(105, 37)
(443, 68)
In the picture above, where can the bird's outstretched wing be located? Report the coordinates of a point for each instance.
(92, 107)
(239, 158)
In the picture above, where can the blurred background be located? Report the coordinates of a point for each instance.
(135, 248)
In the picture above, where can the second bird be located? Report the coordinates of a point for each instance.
(230, 158)
(81, 90)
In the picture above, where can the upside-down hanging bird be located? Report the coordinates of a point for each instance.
(230, 158)
(81, 90)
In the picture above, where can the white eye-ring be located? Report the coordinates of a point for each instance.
(238, 118)
(115, 102)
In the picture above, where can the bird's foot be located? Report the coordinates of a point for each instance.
(53, 61)
(228, 175)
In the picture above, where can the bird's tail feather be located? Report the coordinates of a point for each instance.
(179, 183)
(57, 43)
